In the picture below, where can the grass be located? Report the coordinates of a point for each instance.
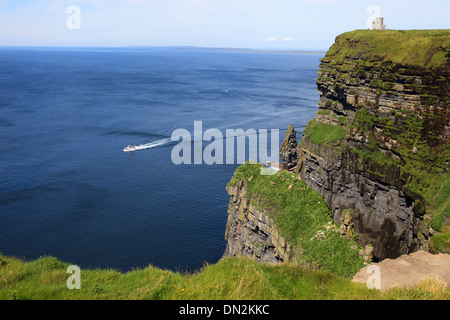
(235, 278)
(441, 242)
(438, 195)
(323, 133)
(299, 212)
(326, 112)
(425, 48)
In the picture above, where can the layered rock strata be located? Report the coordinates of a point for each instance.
(378, 145)
(289, 151)
(395, 117)
(251, 232)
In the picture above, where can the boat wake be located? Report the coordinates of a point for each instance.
(149, 145)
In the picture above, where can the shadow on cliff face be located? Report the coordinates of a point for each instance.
(383, 215)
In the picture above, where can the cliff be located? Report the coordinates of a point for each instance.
(376, 155)
(379, 146)
(278, 218)
(251, 232)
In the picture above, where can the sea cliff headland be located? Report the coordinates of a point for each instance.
(378, 153)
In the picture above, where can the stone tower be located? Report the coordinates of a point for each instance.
(378, 24)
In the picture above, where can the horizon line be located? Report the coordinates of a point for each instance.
(243, 49)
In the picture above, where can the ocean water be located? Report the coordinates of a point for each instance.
(68, 190)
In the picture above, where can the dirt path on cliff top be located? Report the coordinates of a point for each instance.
(408, 270)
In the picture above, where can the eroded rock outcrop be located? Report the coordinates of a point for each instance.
(408, 270)
(289, 150)
(251, 232)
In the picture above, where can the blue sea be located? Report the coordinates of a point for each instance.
(68, 190)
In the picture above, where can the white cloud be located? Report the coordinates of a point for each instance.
(288, 39)
(270, 39)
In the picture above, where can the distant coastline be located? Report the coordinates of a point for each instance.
(237, 50)
(181, 48)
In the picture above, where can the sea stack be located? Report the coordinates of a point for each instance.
(288, 150)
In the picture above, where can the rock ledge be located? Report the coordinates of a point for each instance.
(409, 270)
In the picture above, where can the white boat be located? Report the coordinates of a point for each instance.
(129, 148)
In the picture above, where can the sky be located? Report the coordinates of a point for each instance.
(255, 24)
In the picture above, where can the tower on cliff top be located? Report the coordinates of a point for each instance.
(378, 24)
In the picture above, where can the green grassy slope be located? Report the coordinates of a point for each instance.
(229, 279)
(426, 48)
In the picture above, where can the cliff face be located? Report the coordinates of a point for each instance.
(382, 213)
(251, 232)
(278, 218)
(380, 139)
(378, 152)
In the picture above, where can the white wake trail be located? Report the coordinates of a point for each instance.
(151, 145)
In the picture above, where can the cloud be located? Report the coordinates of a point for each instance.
(270, 39)
(288, 39)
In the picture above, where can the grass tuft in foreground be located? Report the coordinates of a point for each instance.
(235, 278)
